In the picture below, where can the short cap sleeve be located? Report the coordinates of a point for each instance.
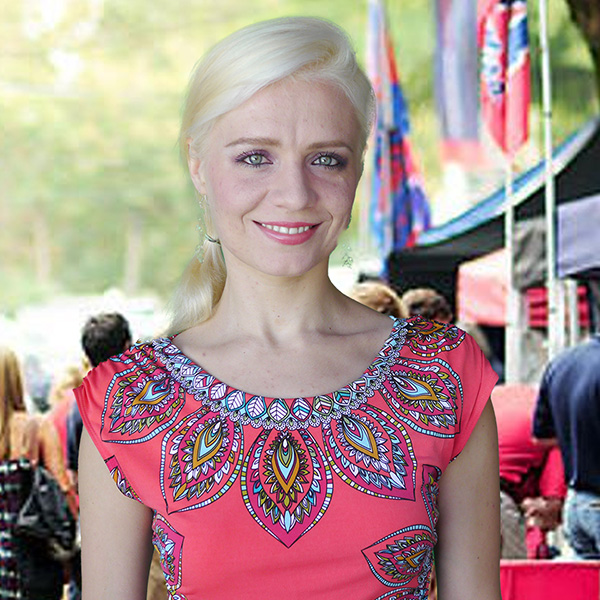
(94, 401)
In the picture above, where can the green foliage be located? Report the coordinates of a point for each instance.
(90, 104)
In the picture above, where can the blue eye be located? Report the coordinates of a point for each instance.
(253, 159)
(330, 161)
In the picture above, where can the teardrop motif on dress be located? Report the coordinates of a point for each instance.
(201, 459)
(372, 452)
(286, 483)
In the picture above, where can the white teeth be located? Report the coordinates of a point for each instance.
(286, 230)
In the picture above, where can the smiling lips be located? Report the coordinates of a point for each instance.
(289, 233)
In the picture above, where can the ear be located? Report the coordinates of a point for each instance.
(195, 167)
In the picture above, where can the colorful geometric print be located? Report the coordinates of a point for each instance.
(372, 453)
(430, 490)
(120, 480)
(425, 394)
(403, 559)
(413, 594)
(140, 405)
(429, 338)
(276, 413)
(169, 545)
(200, 460)
(286, 477)
(286, 483)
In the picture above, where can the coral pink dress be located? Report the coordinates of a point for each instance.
(332, 497)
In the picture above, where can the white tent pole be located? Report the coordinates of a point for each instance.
(513, 330)
(556, 308)
(573, 309)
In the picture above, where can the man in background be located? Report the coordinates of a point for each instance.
(102, 336)
(568, 413)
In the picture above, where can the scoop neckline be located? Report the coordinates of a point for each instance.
(170, 350)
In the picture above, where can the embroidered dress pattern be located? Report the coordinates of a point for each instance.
(403, 558)
(169, 545)
(288, 472)
(201, 459)
(286, 483)
(120, 480)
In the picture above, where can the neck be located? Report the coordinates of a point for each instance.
(279, 307)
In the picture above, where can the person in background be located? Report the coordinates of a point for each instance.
(567, 413)
(54, 426)
(427, 303)
(54, 432)
(102, 336)
(380, 297)
(480, 337)
(26, 571)
(532, 484)
(282, 439)
(37, 384)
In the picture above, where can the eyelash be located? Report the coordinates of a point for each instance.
(341, 162)
(242, 158)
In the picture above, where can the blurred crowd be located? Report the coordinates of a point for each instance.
(46, 431)
(548, 437)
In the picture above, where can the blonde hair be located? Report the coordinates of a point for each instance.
(379, 297)
(71, 378)
(233, 71)
(12, 395)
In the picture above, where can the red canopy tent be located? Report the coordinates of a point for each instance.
(482, 288)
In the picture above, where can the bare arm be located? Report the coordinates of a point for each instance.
(468, 551)
(115, 533)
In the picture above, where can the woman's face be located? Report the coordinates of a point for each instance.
(280, 173)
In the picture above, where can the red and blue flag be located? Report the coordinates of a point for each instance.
(505, 71)
(399, 207)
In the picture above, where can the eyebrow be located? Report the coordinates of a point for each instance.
(265, 141)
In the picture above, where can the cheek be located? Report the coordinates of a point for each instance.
(341, 194)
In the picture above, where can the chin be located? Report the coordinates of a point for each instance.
(292, 269)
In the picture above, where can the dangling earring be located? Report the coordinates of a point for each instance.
(212, 240)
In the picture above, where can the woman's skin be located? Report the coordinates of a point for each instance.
(280, 173)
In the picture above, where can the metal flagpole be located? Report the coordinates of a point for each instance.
(556, 307)
(513, 329)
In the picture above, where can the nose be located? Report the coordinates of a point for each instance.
(294, 189)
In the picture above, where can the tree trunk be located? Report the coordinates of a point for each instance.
(133, 253)
(586, 15)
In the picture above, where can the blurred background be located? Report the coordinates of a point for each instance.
(96, 211)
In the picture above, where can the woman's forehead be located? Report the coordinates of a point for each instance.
(292, 107)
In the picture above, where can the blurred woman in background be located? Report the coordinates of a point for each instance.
(26, 570)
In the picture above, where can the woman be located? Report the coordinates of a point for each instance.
(251, 477)
(53, 432)
(25, 569)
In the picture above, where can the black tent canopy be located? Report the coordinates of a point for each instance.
(439, 251)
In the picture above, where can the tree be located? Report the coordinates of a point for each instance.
(586, 15)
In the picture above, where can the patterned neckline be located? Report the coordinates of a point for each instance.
(271, 412)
